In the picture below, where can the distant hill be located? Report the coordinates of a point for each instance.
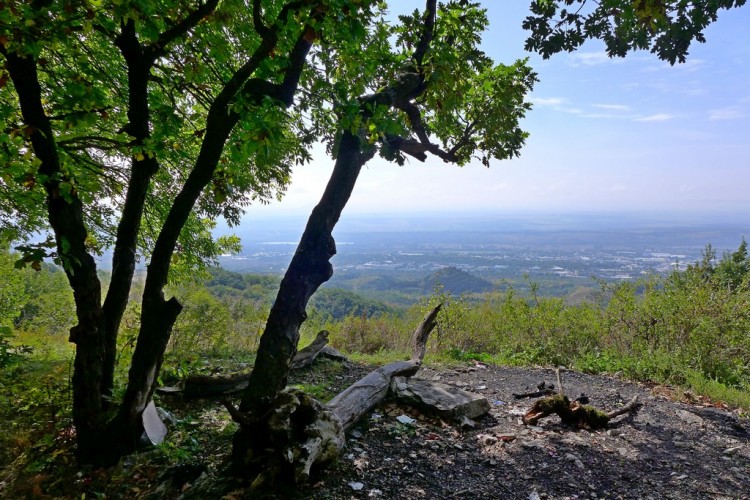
(340, 303)
(456, 282)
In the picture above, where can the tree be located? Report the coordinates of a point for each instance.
(436, 83)
(665, 27)
(133, 124)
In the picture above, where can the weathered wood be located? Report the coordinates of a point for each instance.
(331, 353)
(418, 341)
(363, 395)
(631, 407)
(305, 357)
(203, 386)
(573, 413)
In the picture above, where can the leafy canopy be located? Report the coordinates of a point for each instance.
(665, 27)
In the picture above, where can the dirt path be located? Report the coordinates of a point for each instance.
(667, 450)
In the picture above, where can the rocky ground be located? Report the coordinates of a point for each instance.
(668, 449)
(676, 446)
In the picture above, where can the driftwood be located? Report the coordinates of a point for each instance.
(331, 353)
(298, 432)
(544, 389)
(574, 413)
(306, 356)
(363, 395)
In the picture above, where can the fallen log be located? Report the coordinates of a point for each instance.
(363, 395)
(297, 432)
(574, 413)
(306, 356)
(206, 386)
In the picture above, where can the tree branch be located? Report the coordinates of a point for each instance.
(159, 47)
(260, 28)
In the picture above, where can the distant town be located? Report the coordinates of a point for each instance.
(569, 248)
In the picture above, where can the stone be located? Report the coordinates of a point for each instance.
(689, 417)
(447, 402)
(405, 420)
(356, 486)
(575, 460)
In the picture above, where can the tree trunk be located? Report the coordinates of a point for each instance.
(309, 268)
(157, 318)
(297, 432)
(65, 211)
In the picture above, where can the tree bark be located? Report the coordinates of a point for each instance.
(309, 268)
(65, 211)
(158, 315)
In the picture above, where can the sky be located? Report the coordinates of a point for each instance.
(606, 135)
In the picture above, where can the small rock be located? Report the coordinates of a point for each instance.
(486, 439)
(689, 417)
(506, 437)
(732, 450)
(466, 422)
(405, 420)
(614, 432)
(680, 478)
(374, 493)
(356, 486)
(355, 434)
(534, 496)
(481, 387)
(575, 460)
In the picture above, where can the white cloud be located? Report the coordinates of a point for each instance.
(613, 107)
(728, 113)
(591, 58)
(547, 101)
(658, 117)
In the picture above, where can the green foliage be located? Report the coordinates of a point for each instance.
(456, 282)
(338, 303)
(210, 327)
(665, 27)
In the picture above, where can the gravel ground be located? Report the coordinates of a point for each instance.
(668, 449)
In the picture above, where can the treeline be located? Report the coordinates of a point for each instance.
(688, 328)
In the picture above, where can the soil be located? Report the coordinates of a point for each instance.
(669, 449)
(675, 446)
